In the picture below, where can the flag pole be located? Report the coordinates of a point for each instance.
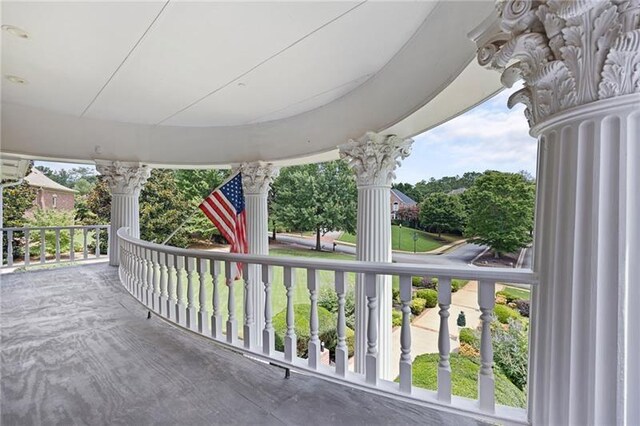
(196, 210)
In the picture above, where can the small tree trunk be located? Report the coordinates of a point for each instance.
(318, 247)
(273, 236)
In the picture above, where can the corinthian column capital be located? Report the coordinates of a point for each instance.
(124, 178)
(374, 157)
(569, 53)
(257, 176)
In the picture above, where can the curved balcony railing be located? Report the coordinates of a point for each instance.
(32, 246)
(158, 276)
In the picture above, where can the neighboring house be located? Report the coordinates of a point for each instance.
(51, 195)
(399, 201)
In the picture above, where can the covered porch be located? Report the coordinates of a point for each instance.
(78, 349)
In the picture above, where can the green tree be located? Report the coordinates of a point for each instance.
(316, 197)
(195, 185)
(500, 211)
(16, 201)
(441, 212)
(99, 201)
(83, 186)
(163, 208)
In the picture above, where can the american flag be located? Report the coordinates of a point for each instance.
(225, 208)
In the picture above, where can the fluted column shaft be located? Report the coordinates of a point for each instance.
(256, 179)
(125, 181)
(374, 159)
(585, 346)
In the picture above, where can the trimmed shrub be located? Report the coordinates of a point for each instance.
(417, 305)
(468, 351)
(504, 313)
(457, 284)
(510, 350)
(523, 307)
(501, 300)
(430, 296)
(396, 295)
(469, 337)
(326, 323)
(416, 281)
(328, 299)
(351, 341)
(396, 318)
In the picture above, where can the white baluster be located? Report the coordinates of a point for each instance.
(216, 315)
(27, 248)
(97, 233)
(371, 357)
(268, 341)
(444, 367)
(248, 335)
(182, 307)
(172, 303)
(72, 249)
(290, 339)
(342, 350)
(203, 314)
(486, 383)
(314, 340)
(149, 279)
(191, 303)
(232, 324)
(85, 248)
(140, 263)
(9, 248)
(156, 280)
(164, 294)
(405, 335)
(43, 246)
(57, 245)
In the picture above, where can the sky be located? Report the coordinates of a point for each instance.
(488, 137)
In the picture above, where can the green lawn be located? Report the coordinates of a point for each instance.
(402, 239)
(464, 379)
(517, 293)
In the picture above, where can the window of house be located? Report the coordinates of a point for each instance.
(396, 206)
(55, 201)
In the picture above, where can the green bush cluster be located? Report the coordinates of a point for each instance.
(417, 305)
(326, 324)
(396, 318)
(457, 284)
(328, 299)
(503, 313)
(430, 296)
(469, 337)
(510, 351)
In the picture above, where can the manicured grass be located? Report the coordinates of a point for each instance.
(309, 253)
(402, 239)
(517, 293)
(464, 379)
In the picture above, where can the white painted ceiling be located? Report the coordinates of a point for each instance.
(198, 63)
(202, 84)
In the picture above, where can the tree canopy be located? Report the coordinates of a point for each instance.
(440, 212)
(316, 197)
(500, 210)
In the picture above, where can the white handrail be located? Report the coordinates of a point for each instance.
(510, 275)
(33, 236)
(142, 262)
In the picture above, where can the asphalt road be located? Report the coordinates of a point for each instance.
(462, 255)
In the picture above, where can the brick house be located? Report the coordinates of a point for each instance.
(399, 200)
(51, 195)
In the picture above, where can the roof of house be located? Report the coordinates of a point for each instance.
(405, 199)
(39, 180)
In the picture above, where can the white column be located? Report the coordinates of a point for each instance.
(125, 181)
(374, 159)
(256, 179)
(579, 62)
